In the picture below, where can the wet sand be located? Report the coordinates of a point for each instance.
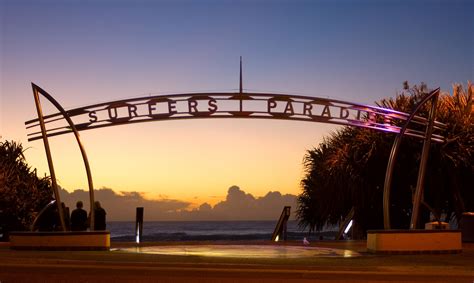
(120, 266)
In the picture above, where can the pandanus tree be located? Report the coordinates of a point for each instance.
(22, 193)
(453, 164)
(347, 169)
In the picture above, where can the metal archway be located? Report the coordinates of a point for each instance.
(41, 120)
(433, 96)
(230, 105)
(235, 105)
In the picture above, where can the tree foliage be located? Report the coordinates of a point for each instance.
(22, 193)
(348, 168)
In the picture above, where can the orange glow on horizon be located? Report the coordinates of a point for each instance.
(194, 161)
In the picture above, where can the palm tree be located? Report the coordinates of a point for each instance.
(22, 193)
(347, 169)
(455, 158)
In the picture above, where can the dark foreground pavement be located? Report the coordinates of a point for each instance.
(116, 266)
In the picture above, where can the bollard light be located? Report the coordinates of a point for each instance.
(139, 225)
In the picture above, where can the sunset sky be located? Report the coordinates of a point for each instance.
(85, 52)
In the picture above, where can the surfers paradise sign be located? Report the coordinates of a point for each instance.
(229, 105)
(237, 105)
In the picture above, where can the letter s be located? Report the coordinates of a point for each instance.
(212, 105)
(92, 116)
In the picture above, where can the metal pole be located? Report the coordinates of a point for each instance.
(240, 82)
(388, 181)
(240, 85)
(424, 159)
(50, 159)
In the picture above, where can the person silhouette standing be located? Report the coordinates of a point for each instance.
(99, 217)
(79, 218)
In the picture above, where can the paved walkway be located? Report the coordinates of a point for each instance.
(119, 266)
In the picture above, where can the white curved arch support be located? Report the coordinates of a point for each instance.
(44, 135)
(433, 95)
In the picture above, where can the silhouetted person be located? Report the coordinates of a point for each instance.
(79, 218)
(99, 217)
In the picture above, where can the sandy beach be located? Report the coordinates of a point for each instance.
(118, 265)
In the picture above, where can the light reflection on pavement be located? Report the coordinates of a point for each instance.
(243, 251)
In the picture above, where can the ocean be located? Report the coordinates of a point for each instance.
(207, 231)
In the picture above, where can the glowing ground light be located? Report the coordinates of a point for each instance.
(241, 251)
(348, 227)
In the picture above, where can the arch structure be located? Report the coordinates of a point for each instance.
(232, 105)
(236, 105)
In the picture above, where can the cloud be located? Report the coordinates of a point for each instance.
(238, 205)
(122, 206)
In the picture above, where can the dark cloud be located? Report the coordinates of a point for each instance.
(122, 206)
(238, 205)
